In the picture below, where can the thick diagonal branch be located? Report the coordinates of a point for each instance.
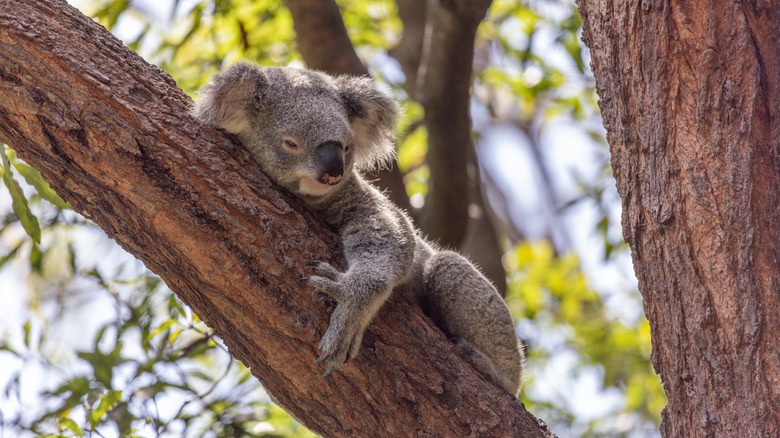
(112, 136)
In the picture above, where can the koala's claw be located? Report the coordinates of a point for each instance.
(329, 368)
(327, 280)
(338, 346)
(333, 355)
(326, 270)
(326, 286)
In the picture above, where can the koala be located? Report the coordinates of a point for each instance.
(313, 135)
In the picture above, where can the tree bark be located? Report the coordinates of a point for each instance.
(112, 135)
(408, 52)
(443, 87)
(690, 95)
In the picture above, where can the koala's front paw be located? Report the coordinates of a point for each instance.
(342, 340)
(327, 279)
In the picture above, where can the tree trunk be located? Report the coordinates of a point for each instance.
(443, 88)
(112, 135)
(690, 94)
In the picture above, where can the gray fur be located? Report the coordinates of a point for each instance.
(266, 107)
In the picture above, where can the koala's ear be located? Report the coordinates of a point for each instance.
(373, 116)
(226, 100)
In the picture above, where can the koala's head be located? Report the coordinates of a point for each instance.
(307, 130)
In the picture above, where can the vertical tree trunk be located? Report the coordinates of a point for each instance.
(112, 135)
(443, 88)
(690, 93)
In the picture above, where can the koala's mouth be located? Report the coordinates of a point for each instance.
(330, 180)
(312, 187)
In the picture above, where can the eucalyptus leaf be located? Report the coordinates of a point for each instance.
(19, 203)
(71, 425)
(35, 179)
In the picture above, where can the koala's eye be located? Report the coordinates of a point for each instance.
(291, 145)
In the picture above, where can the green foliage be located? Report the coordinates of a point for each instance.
(34, 178)
(373, 26)
(19, 204)
(194, 41)
(411, 161)
(152, 353)
(541, 86)
(553, 292)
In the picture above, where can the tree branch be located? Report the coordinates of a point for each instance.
(408, 52)
(112, 136)
(322, 37)
(443, 87)
(482, 244)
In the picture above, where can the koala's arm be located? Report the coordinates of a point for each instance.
(379, 247)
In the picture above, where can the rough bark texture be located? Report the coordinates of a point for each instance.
(111, 134)
(690, 94)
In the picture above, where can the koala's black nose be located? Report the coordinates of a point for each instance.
(331, 159)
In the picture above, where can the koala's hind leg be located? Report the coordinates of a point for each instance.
(467, 307)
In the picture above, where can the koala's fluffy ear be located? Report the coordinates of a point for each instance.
(373, 116)
(226, 100)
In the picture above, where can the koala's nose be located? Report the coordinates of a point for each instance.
(331, 159)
